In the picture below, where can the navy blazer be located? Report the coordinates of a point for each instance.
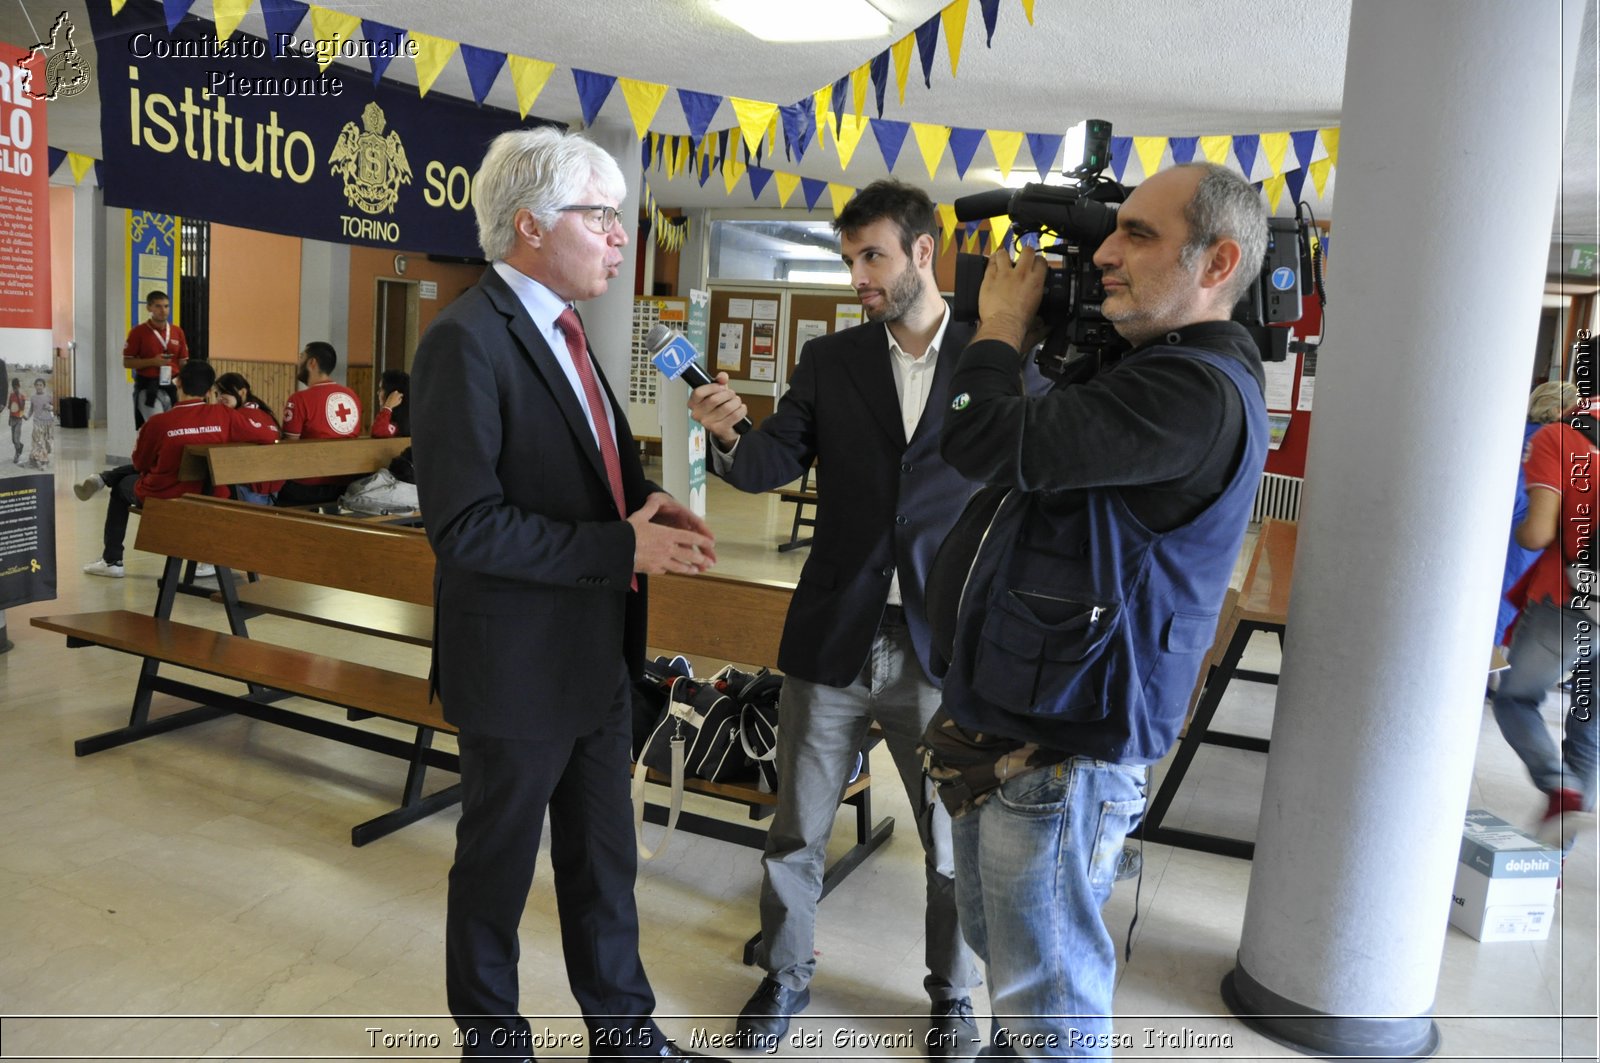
(884, 502)
(534, 624)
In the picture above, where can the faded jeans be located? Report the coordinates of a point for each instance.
(1548, 643)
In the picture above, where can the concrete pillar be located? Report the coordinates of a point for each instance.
(325, 298)
(89, 329)
(1449, 161)
(608, 320)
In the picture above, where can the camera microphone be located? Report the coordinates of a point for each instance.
(674, 356)
(981, 205)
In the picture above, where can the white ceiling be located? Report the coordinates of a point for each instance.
(1178, 67)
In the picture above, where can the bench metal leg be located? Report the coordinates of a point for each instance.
(389, 822)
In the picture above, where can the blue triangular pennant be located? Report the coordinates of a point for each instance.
(880, 76)
(1245, 147)
(963, 146)
(891, 137)
(991, 13)
(483, 66)
(841, 89)
(1295, 182)
(927, 41)
(722, 147)
(799, 125)
(175, 10)
(1121, 147)
(1305, 145)
(1045, 147)
(705, 168)
(1183, 149)
(592, 92)
(55, 157)
(282, 17)
(759, 177)
(698, 108)
(811, 188)
(388, 40)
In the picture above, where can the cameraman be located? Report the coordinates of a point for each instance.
(1093, 598)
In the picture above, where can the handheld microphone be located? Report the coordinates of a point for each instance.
(674, 356)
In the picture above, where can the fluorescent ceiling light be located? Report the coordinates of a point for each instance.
(814, 20)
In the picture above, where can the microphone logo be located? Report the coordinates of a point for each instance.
(674, 357)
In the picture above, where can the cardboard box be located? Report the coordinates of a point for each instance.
(1505, 883)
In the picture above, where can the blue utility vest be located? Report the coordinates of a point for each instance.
(1082, 630)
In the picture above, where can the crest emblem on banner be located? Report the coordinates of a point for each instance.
(373, 166)
(65, 72)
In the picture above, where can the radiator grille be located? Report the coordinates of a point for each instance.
(1278, 496)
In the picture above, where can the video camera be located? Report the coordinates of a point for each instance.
(1078, 216)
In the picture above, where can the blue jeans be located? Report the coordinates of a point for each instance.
(1549, 642)
(1034, 865)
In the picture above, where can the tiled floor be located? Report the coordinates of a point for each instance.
(198, 892)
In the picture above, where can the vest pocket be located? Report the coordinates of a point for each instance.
(1042, 654)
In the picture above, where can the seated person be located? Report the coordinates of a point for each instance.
(322, 409)
(394, 417)
(159, 451)
(234, 390)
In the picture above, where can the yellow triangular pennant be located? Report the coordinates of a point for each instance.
(772, 133)
(432, 54)
(684, 150)
(227, 14)
(947, 224)
(1027, 9)
(1273, 186)
(1150, 150)
(644, 100)
(1215, 149)
(860, 81)
(998, 227)
(732, 170)
(840, 194)
(81, 164)
(851, 127)
(754, 116)
(823, 101)
(1275, 146)
(529, 77)
(1319, 174)
(901, 51)
(116, 6)
(787, 183)
(1006, 144)
(954, 20)
(931, 141)
(1330, 140)
(336, 27)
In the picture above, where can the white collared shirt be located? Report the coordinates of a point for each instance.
(913, 382)
(544, 306)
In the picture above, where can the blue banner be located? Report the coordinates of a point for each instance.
(219, 130)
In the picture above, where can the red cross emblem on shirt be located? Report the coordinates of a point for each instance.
(344, 412)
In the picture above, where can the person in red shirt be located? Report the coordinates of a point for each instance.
(1555, 631)
(394, 417)
(322, 409)
(154, 352)
(159, 450)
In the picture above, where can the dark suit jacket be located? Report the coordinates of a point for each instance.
(884, 502)
(533, 620)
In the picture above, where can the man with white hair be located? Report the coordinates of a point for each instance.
(544, 528)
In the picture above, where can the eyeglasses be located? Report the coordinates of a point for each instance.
(597, 217)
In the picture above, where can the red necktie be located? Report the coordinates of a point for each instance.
(578, 347)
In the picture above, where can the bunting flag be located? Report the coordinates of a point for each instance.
(116, 6)
(901, 51)
(840, 194)
(335, 27)
(1275, 146)
(811, 188)
(758, 181)
(1005, 145)
(954, 18)
(644, 100)
(1295, 180)
(822, 116)
(860, 81)
(1305, 148)
(836, 101)
(799, 123)
(483, 66)
(80, 164)
(1319, 174)
(592, 92)
(891, 137)
(931, 140)
(1183, 149)
(927, 36)
(787, 183)
(1121, 147)
(386, 37)
(282, 17)
(227, 14)
(999, 226)
(878, 70)
(1245, 147)
(851, 127)
(753, 116)
(963, 146)
(432, 55)
(1330, 141)
(1215, 149)
(947, 224)
(528, 76)
(1045, 147)
(991, 14)
(54, 157)
(698, 110)
(1027, 9)
(1150, 150)
(1273, 187)
(733, 171)
(175, 10)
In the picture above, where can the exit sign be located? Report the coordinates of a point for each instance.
(1583, 260)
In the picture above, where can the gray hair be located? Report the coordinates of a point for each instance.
(1226, 207)
(1550, 400)
(540, 170)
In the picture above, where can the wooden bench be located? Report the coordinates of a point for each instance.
(382, 561)
(229, 464)
(800, 497)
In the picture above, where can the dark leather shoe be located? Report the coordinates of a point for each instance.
(665, 1050)
(952, 1031)
(765, 1016)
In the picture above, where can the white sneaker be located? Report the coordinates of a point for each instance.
(98, 567)
(87, 489)
(204, 571)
